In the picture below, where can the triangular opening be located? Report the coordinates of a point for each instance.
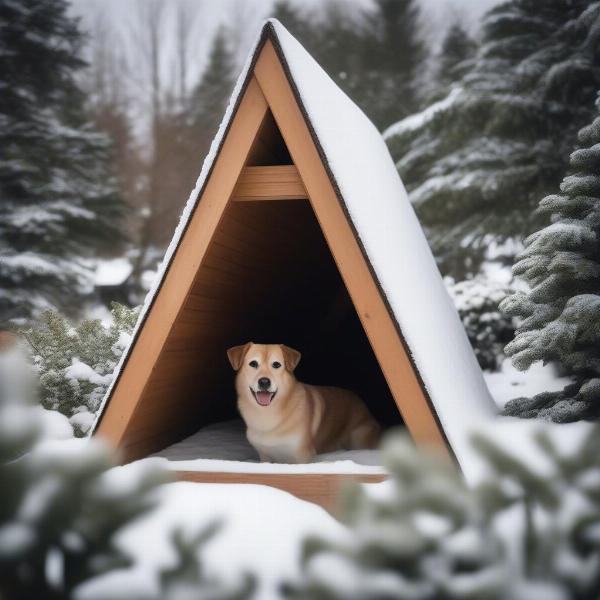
(269, 147)
(268, 276)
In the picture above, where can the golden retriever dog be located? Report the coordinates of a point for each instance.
(288, 421)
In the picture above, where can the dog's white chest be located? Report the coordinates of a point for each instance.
(282, 449)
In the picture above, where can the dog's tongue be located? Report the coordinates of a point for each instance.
(264, 398)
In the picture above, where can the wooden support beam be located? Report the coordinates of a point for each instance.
(281, 182)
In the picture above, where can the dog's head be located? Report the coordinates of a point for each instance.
(264, 371)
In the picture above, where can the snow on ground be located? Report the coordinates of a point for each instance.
(517, 438)
(261, 532)
(508, 383)
(54, 425)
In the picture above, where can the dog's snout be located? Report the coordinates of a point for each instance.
(264, 383)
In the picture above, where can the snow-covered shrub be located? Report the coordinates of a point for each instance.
(60, 506)
(488, 329)
(525, 532)
(63, 505)
(75, 363)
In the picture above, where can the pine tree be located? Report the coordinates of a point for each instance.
(394, 57)
(57, 195)
(375, 56)
(452, 60)
(477, 162)
(561, 314)
(209, 99)
(430, 537)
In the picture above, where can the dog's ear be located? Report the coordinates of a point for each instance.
(236, 355)
(291, 358)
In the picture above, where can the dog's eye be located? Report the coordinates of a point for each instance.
(276, 365)
(253, 364)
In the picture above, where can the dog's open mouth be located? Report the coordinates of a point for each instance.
(263, 398)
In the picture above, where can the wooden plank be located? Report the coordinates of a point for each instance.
(320, 488)
(145, 354)
(370, 306)
(281, 182)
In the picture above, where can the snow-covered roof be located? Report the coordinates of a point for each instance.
(373, 196)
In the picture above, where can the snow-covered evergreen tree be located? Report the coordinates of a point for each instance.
(75, 364)
(477, 162)
(560, 316)
(519, 535)
(57, 195)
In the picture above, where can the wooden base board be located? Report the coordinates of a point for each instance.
(320, 488)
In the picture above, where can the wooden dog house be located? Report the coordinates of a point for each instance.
(299, 231)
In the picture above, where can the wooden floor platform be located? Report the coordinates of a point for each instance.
(321, 488)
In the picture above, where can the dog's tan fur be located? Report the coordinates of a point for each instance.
(301, 420)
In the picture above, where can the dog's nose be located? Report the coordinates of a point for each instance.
(264, 383)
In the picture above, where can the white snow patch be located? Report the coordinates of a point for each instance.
(517, 438)
(54, 425)
(101, 313)
(83, 420)
(121, 344)
(112, 272)
(419, 119)
(82, 372)
(262, 531)
(508, 383)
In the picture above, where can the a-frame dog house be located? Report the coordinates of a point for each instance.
(298, 222)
